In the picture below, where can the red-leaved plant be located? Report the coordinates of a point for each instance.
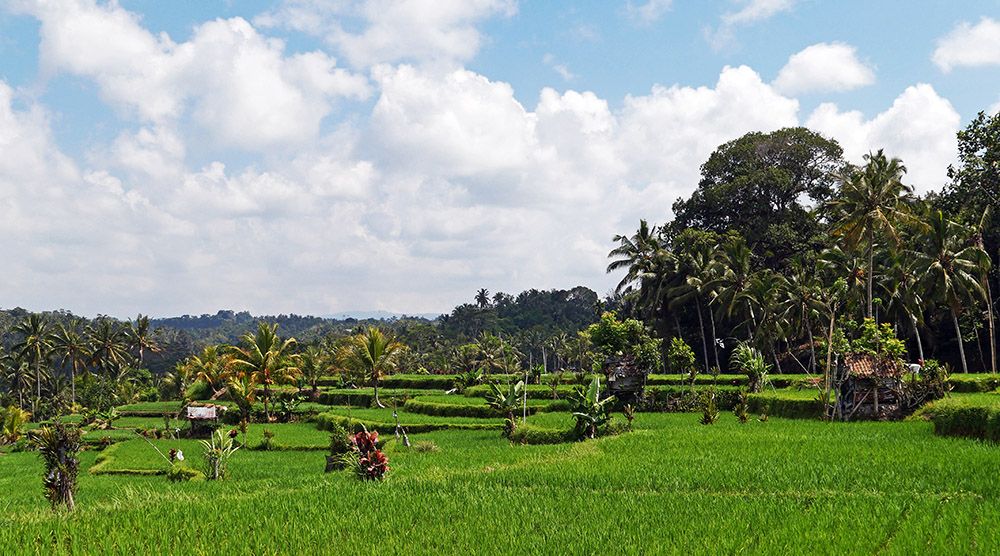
(371, 464)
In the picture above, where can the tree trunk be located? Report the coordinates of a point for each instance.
(701, 324)
(920, 343)
(715, 344)
(958, 335)
(72, 382)
(871, 269)
(378, 402)
(829, 361)
(989, 321)
(812, 349)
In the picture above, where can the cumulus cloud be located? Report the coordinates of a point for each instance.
(432, 31)
(969, 45)
(919, 128)
(649, 11)
(238, 84)
(750, 12)
(444, 184)
(826, 67)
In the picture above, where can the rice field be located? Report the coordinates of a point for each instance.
(670, 487)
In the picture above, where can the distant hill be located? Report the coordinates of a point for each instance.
(379, 315)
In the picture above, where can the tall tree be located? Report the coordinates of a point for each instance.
(140, 337)
(267, 358)
(483, 298)
(949, 270)
(73, 351)
(372, 353)
(761, 185)
(871, 202)
(34, 346)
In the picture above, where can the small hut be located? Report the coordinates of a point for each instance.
(869, 387)
(204, 418)
(626, 378)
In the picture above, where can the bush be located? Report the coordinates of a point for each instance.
(532, 435)
(750, 362)
(58, 445)
(681, 358)
(370, 463)
(709, 410)
(780, 406)
(426, 446)
(179, 472)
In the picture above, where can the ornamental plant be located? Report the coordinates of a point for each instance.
(370, 463)
(58, 445)
(750, 361)
(217, 450)
(590, 411)
(12, 421)
(709, 408)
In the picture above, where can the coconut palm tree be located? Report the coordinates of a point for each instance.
(34, 347)
(948, 270)
(140, 338)
(212, 366)
(267, 358)
(635, 254)
(732, 277)
(72, 349)
(108, 346)
(698, 271)
(977, 239)
(372, 353)
(483, 298)
(905, 304)
(313, 364)
(801, 306)
(872, 201)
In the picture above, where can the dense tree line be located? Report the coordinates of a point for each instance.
(784, 244)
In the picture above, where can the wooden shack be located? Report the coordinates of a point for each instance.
(626, 378)
(869, 387)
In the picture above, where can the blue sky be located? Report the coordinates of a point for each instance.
(315, 156)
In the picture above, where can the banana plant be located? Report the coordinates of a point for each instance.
(590, 411)
(506, 399)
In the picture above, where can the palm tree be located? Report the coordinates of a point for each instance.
(763, 296)
(836, 264)
(108, 346)
(72, 349)
(372, 353)
(212, 366)
(904, 302)
(34, 347)
(949, 271)
(140, 337)
(267, 358)
(314, 365)
(697, 269)
(483, 298)
(635, 254)
(871, 202)
(801, 306)
(733, 273)
(977, 239)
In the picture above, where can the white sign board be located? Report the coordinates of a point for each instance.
(194, 412)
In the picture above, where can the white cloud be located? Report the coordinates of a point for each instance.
(751, 12)
(826, 67)
(649, 11)
(919, 128)
(433, 31)
(448, 184)
(559, 68)
(995, 109)
(969, 45)
(239, 85)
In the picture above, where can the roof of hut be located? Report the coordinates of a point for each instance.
(623, 365)
(864, 366)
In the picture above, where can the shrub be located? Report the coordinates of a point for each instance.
(629, 413)
(340, 448)
(532, 435)
(370, 463)
(741, 408)
(217, 451)
(267, 443)
(590, 411)
(680, 358)
(505, 400)
(750, 362)
(12, 421)
(709, 410)
(58, 446)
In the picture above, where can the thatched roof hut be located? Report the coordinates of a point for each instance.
(626, 378)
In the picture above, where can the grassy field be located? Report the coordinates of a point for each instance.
(672, 486)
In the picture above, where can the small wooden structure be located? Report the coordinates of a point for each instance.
(626, 378)
(204, 418)
(869, 387)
